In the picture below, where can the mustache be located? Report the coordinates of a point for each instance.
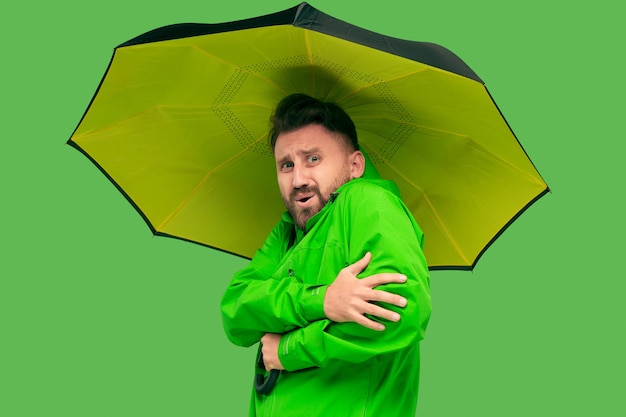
(304, 189)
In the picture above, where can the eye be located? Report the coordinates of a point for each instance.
(286, 166)
(313, 159)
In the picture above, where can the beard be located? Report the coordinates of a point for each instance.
(301, 215)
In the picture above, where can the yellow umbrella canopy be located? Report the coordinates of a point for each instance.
(180, 120)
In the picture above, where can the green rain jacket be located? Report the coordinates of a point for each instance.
(335, 369)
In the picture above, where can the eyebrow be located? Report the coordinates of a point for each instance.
(301, 152)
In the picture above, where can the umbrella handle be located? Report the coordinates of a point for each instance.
(264, 385)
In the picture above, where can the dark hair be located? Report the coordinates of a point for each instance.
(300, 110)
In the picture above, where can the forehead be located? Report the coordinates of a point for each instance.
(310, 137)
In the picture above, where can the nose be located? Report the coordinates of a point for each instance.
(300, 177)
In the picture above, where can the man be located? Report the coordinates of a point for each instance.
(343, 347)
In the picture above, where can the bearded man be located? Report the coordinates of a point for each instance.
(338, 295)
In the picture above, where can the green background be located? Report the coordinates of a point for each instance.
(100, 318)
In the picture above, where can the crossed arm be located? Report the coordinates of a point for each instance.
(348, 299)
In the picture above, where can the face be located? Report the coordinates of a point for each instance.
(311, 163)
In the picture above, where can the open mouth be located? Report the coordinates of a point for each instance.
(305, 197)
(304, 201)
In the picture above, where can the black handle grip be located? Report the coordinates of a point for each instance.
(264, 385)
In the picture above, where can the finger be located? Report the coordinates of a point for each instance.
(361, 264)
(266, 339)
(370, 324)
(267, 359)
(387, 297)
(378, 311)
(384, 278)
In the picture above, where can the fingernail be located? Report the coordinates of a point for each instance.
(403, 278)
(380, 328)
(395, 317)
(402, 302)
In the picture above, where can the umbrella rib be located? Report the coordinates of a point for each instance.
(409, 123)
(309, 56)
(85, 136)
(193, 192)
(381, 82)
(447, 232)
(238, 67)
(430, 204)
(478, 147)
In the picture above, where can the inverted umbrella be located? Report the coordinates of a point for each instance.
(180, 120)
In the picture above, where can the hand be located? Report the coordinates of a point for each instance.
(349, 298)
(270, 342)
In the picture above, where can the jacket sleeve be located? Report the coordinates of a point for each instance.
(381, 224)
(258, 302)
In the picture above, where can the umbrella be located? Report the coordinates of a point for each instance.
(179, 124)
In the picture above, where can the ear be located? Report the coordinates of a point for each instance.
(357, 164)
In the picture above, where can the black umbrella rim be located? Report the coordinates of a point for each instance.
(308, 17)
